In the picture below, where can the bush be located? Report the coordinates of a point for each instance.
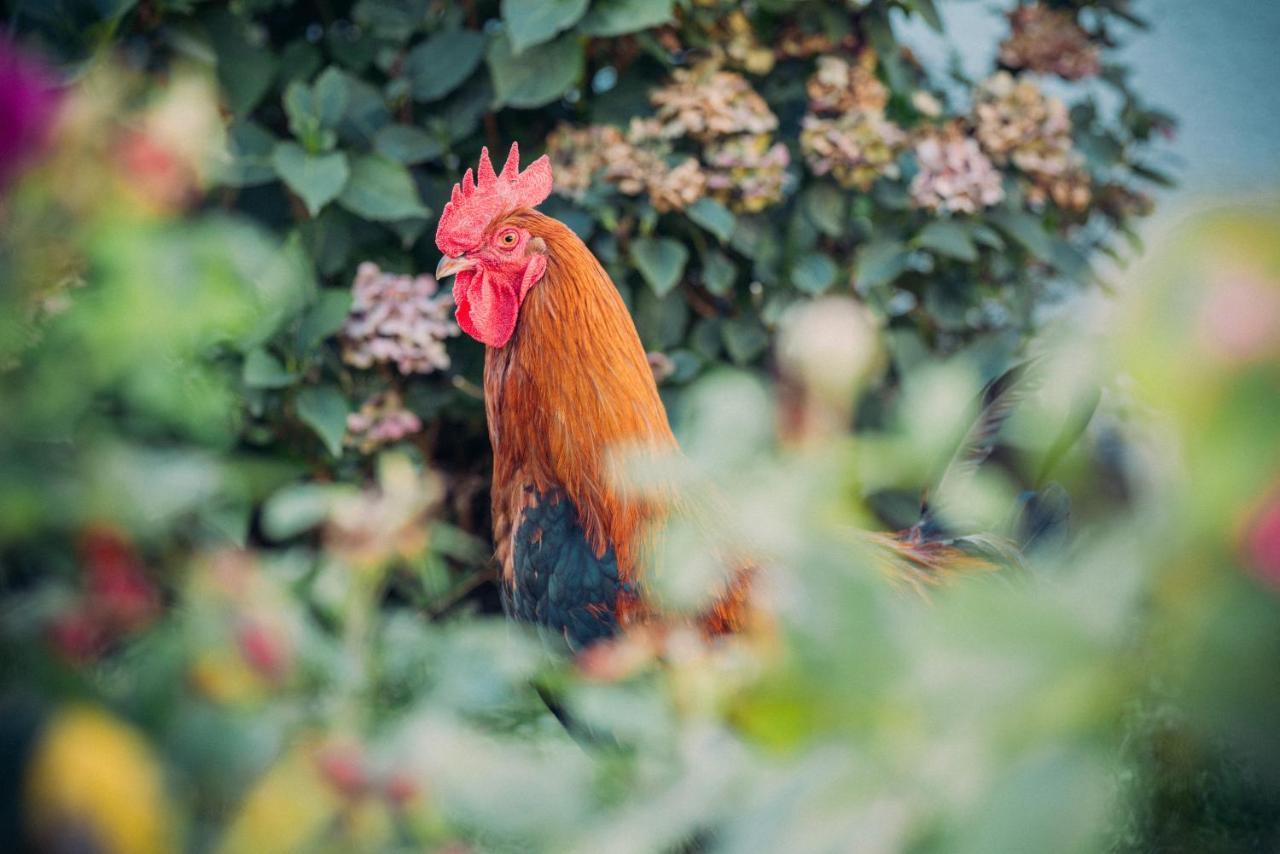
(242, 532)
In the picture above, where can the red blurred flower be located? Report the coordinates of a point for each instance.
(156, 174)
(400, 789)
(343, 767)
(1262, 541)
(29, 98)
(117, 597)
(117, 586)
(77, 635)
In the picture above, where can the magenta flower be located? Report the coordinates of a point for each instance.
(29, 98)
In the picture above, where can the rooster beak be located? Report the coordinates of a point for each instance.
(449, 266)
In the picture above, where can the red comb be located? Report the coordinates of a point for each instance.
(476, 201)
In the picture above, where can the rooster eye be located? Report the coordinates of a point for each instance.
(508, 238)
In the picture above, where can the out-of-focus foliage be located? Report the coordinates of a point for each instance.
(242, 458)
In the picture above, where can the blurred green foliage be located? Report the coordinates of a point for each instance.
(207, 584)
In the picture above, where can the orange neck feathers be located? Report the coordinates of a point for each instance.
(571, 385)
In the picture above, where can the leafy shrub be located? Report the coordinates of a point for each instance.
(244, 464)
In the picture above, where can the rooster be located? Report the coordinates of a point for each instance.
(566, 380)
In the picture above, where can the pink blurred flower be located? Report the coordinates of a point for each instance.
(382, 420)
(29, 98)
(265, 649)
(1240, 318)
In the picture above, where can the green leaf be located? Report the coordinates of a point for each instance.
(324, 318)
(1070, 262)
(324, 410)
(929, 12)
(1026, 229)
(879, 263)
(712, 216)
(329, 97)
(987, 236)
(406, 144)
(879, 31)
(327, 240)
(316, 178)
(718, 272)
(397, 20)
(315, 111)
(825, 207)
(661, 321)
(299, 60)
(744, 339)
(949, 238)
(619, 17)
(440, 64)
(661, 261)
(367, 112)
(380, 189)
(536, 77)
(245, 72)
(263, 370)
(532, 22)
(248, 160)
(814, 273)
(1153, 175)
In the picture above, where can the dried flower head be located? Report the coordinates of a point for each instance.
(1017, 123)
(734, 38)
(954, 174)
(796, 43)
(381, 421)
(839, 86)
(705, 103)
(637, 164)
(578, 154)
(1049, 41)
(747, 172)
(855, 149)
(674, 189)
(400, 320)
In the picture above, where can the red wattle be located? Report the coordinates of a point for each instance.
(486, 307)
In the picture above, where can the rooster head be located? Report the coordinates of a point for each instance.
(496, 262)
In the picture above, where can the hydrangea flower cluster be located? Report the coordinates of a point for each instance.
(397, 319)
(1017, 123)
(747, 172)
(740, 165)
(578, 153)
(855, 149)
(839, 86)
(845, 134)
(382, 420)
(1049, 41)
(706, 103)
(636, 163)
(955, 175)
